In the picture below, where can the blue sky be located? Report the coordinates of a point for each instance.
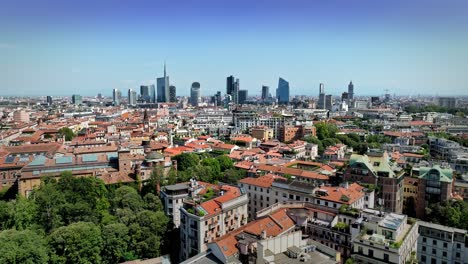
(53, 47)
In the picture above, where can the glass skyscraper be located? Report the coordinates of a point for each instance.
(282, 93)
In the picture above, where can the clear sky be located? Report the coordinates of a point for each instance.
(61, 47)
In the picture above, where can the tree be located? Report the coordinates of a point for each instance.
(186, 161)
(115, 245)
(225, 162)
(152, 202)
(76, 243)
(25, 213)
(214, 165)
(146, 233)
(126, 197)
(67, 132)
(23, 246)
(232, 176)
(7, 215)
(49, 201)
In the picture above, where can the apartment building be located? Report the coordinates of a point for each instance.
(262, 133)
(435, 184)
(384, 238)
(376, 169)
(173, 197)
(208, 213)
(451, 151)
(270, 189)
(438, 244)
(280, 234)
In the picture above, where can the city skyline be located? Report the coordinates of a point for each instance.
(407, 48)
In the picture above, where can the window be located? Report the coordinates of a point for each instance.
(434, 251)
(424, 240)
(445, 244)
(433, 261)
(434, 242)
(457, 255)
(423, 259)
(444, 254)
(424, 248)
(458, 246)
(371, 253)
(385, 257)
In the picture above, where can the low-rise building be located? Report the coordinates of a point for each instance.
(375, 168)
(384, 238)
(438, 244)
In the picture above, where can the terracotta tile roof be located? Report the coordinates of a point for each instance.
(414, 155)
(336, 194)
(49, 148)
(273, 224)
(213, 206)
(262, 181)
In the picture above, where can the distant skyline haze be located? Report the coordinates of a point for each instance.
(88, 47)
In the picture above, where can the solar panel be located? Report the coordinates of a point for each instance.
(63, 160)
(9, 159)
(89, 157)
(39, 160)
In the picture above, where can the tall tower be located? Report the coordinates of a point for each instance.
(230, 83)
(321, 99)
(116, 97)
(172, 94)
(351, 90)
(195, 94)
(265, 92)
(282, 93)
(163, 87)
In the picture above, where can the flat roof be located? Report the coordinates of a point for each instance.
(442, 227)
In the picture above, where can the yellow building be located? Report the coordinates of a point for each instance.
(262, 133)
(410, 191)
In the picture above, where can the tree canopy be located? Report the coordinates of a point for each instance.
(80, 220)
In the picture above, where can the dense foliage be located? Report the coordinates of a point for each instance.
(79, 220)
(452, 213)
(205, 168)
(67, 132)
(327, 136)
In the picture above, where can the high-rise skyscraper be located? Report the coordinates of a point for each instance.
(195, 94)
(152, 93)
(218, 100)
(145, 93)
(344, 96)
(235, 92)
(243, 96)
(77, 99)
(265, 92)
(49, 100)
(282, 93)
(321, 99)
(230, 83)
(351, 90)
(132, 97)
(328, 102)
(172, 94)
(116, 97)
(163, 87)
